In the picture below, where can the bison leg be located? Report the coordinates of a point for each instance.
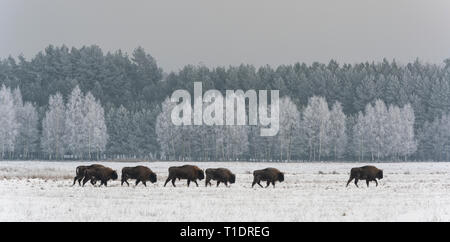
(349, 180)
(74, 180)
(376, 182)
(218, 182)
(173, 181)
(367, 182)
(145, 183)
(168, 179)
(356, 182)
(125, 180)
(206, 181)
(86, 179)
(259, 183)
(195, 181)
(137, 181)
(273, 183)
(267, 184)
(226, 183)
(256, 180)
(188, 182)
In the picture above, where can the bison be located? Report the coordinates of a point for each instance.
(220, 175)
(368, 173)
(140, 173)
(80, 173)
(104, 174)
(189, 172)
(271, 175)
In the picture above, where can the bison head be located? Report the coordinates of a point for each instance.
(380, 174)
(232, 178)
(152, 177)
(114, 175)
(281, 177)
(200, 174)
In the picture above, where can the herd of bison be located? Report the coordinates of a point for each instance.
(96, 172)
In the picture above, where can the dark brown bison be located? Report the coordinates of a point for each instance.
(103, 174)
(80, 173)
(191, 173)
(220, 175)
(140, 173)
(270, 175)
(368, 173)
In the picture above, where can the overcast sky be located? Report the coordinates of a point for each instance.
(230, 32)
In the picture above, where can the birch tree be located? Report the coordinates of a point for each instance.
(370, 130)
(28, 135)
(27, 121)
(359, 136)
(166, 132)
(394, 139)
(316, 119)
(9, 126)
(337, 130)
(409, 145)
(75, 134)
(94, 124)
(379, 129)
(53, 127)
(289, 126)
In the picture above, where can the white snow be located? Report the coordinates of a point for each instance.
(41, 191)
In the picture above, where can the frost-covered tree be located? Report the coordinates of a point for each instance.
(316, 118)
(75, 133)
(236, 137)
(434, 138)
(385, 132)
(409, 143)
(119, 132)
(143, 134)
(27, 120)
(28, 136)
(394, 127)
(380, 130)
(370, 130)
(94, 125)
(9, 126)
(337, 131)
(289, 127)
(53, 127)
(359, 136)
(166, 131)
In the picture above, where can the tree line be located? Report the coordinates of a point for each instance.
(132, 90)
(314, 133)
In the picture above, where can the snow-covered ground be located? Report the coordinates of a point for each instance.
(41, 191)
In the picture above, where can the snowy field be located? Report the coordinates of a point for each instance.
(41, 191)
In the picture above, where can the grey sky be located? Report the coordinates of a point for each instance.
(230, 32)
